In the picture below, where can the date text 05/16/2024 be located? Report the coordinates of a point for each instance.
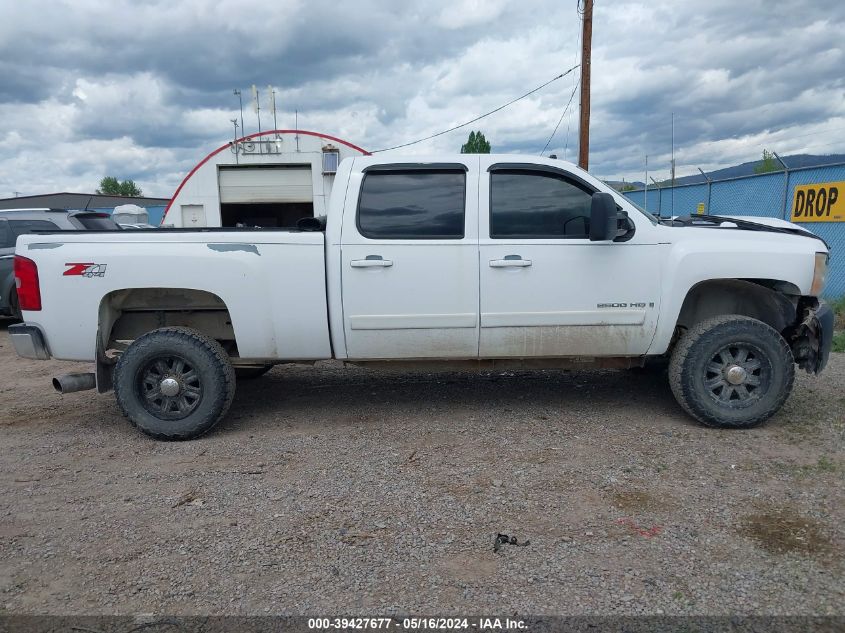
(417, 624)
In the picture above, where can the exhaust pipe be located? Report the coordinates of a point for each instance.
(68, 383)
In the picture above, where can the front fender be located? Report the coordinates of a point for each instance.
(812, 338)
(716, 254)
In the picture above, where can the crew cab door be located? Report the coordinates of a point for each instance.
(409, 259)
(546, 290)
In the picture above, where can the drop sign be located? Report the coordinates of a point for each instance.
(823, 202)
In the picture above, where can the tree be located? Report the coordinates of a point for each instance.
(476, 144)
(111, 186)
(768, 164)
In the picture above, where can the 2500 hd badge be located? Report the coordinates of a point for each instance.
(636, 304)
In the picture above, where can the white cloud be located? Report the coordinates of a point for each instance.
(143, 90)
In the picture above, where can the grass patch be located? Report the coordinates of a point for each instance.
(783, 531)
(635, 501)
(839, 309)
(823, 466)
(839, 342)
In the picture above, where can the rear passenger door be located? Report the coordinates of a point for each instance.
(409, 257)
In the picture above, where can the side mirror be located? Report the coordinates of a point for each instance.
(603, 218)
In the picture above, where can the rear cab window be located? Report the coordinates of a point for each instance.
(413, 204)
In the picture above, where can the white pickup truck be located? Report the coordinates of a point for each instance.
(480, 261)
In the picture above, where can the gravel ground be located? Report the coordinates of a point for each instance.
(330, 490)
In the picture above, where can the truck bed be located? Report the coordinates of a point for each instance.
(256, 275)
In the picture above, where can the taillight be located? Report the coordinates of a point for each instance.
(26, 281)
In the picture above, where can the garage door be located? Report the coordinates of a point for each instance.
(266, 184)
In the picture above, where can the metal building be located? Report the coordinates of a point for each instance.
(267, 179)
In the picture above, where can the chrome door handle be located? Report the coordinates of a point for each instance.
(371, 261)
(509, 262)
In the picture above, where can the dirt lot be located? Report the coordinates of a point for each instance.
(346, 491)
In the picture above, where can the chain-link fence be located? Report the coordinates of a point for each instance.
(762, 195)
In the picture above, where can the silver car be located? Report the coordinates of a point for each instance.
(15, 222)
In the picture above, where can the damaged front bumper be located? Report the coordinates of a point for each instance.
(812, 337)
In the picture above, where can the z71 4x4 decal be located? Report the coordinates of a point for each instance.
(85, 270)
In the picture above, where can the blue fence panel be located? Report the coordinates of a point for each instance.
(665, 202)
(648, 201)
(762, 196)
(653, 200)
(685, 200)
(832, 232)
(637, 197)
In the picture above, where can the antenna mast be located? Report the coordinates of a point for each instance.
(237, 93)
(272, 93)
(256, 105)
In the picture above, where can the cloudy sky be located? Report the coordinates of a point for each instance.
(142, 89)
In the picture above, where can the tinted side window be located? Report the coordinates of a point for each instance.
(412, 205)
(7, 239)
(20, 227)
(526, 204)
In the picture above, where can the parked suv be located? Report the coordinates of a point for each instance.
(15, 222)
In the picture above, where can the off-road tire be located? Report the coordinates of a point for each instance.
(250, 373)
(697, 354)
(213, 373)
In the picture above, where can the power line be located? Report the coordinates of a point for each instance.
(562, 114)
(478, 118)
(575, 83)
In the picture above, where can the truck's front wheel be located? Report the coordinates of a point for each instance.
(174, 383)
(731, 371)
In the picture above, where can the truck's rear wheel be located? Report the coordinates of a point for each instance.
(731, 371)
(174, 383)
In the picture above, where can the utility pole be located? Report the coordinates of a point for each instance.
(586, 47)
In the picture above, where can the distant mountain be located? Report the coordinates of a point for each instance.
(747, 169)
(624, 185)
